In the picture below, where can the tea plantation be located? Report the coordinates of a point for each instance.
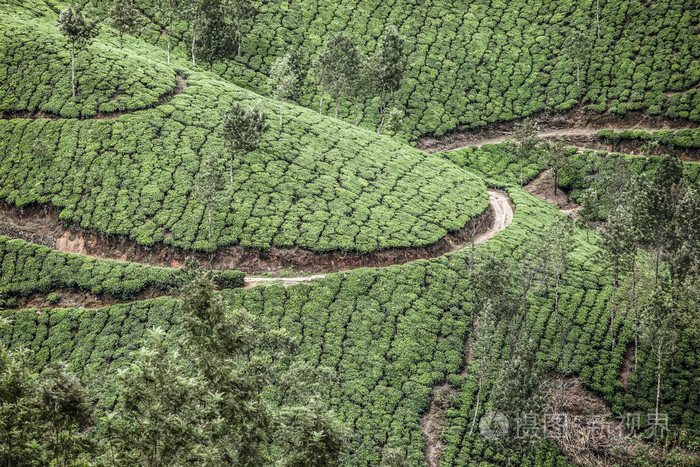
(316, 183)
(402, 344)
(487, 60)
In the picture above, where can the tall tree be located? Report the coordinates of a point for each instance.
(208, 187)
(336, 65)
(517, 394)
(78, 30)
(164, 414)
(282, 80)
(555, 157)
(526, 141)
(390, 64)
(17, 414)
(242, 11)
(485, 345)
(216, 35)
(559, 240)
(619, 245)
(242, 129)
(577, 46)
(171, 9)
(360, 79)
(125, 18)
(656, 204)
(64, 410)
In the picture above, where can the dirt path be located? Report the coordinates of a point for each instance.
(502, 217)
(575, 127)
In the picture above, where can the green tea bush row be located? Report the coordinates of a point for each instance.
(35, 69)
(316, 183)
(27, 269)
(469, 65)
(686, 138)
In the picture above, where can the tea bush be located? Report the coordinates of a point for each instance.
(26, 269)
(35, 71)
(488, 60)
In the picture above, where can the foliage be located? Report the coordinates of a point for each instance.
(124, 17)
(283, 80)
(489, 61)
(28, 269)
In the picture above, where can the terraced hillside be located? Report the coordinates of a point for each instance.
(423, 328)
(314, 183)
(484, 61)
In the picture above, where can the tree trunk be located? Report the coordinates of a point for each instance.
(240, 41)
(521, 169)
(612, 312)
(121, 40)
(556, 305)
(556, 177)
(383, 112)
(393, 103)
(336, 104)
(209, 222)
(170, 33)
(578, 70)
(231, 169)
(72, 75)
(280, 112)
(658, 384)
(194, 39)
(476, 411)
(320, 105)
(355, 110)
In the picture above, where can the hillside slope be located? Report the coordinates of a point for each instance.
(481, 61)
(315, 182)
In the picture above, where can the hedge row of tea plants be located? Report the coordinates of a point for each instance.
(686, 138)
(27, 269)
(486, 61)
(35, 69)
(94, 342)
(394, 333)
(316, 183)
(497, 164)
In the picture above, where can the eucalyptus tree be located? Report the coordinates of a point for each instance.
(208, 187)
(125, 18)
(336, 66)
(78, 30)
(172, 10)
(283, 80)
(242, 129)
(555, 156)
(526, 141)
(389, 65)
(577, 45)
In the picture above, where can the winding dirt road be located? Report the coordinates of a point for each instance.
(502, 217)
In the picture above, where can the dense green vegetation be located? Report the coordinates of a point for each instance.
(487, 60)
(565, 299)
(363, 193)
(35, 69)
(689, 138)
(29, 269)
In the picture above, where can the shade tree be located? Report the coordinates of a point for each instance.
(78, 30)
(125, 18)
(283, 80)
(242, 128)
